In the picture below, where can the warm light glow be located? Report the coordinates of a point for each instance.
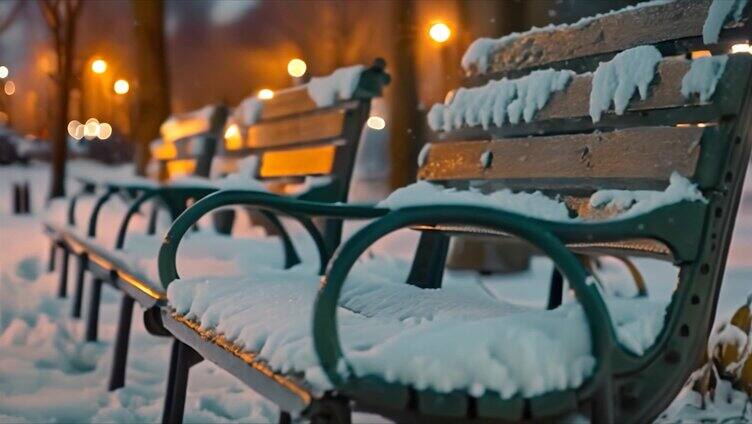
(233, 140)
(98, 66)
(265, 94)
(439, 32)
(72, 127)
(3, 118)
(10, 88)
(296, 68)
(700, 53)
(121, 86)
(741, 48)
(4, 72)
(376, 122)
(105, 131)
(164, 151)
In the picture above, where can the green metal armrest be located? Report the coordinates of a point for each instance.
(300, 210)
(325, 332)
(174, 198)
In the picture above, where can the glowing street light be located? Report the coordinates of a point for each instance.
(121, 86)
(265, 94)
(376, 122)
(91, 128)
(98, 66)
(4, 72)
(439, 32)
(105, 131)
(296, 68)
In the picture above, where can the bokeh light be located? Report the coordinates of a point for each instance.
(376, 122)
(741, 48)
(296, 68)
(265, 94)
(4, 72)
(105, 131)
(9, 88)
(98, 66)
(439, 32)
(121, 86)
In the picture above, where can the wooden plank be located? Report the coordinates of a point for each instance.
(631, 158)
(307, 161)
(568, 110)
(610, 33)
(298, 130)
(294, 101)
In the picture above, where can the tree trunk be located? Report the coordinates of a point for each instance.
(153, 93)
(65, 43)
(406, 134)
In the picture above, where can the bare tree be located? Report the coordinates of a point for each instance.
(61, 17)
(407, 123)
(153, 93)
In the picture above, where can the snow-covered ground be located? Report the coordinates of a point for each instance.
(47, 374)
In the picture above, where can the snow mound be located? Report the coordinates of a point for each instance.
(248, 111)
(400, 332)
(718, 13)
(703, 76)
(538, 205)
(615, 81)
(498, 101)
(340, 85)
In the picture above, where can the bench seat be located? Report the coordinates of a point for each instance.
(204, 253)
(400, 332)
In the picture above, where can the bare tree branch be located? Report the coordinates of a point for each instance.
(7, 21)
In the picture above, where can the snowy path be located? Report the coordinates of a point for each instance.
(48, 375)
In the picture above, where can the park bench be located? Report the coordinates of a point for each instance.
(537, 154)
(301, 143)
(186, 147)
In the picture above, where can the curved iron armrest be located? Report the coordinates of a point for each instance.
(300, 210)
(173, 198)
(548, 236)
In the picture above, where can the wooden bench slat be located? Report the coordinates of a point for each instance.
(632, 158)
(307, 161)
(568, 110)
(654, 24)
(300, 130)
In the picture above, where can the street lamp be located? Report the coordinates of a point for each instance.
(296, 68)
(439, 32)
(121, 86)
(9, 88)
(4, 72)
(98, 66)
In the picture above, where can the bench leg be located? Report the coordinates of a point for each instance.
(603, 404)
(284, 418)
(182, 359)
(92, 319)
(556, 290)
(333, 410)
(62, 288)
(120, 354)
(427, 269)
(78, 290)
(53, 253)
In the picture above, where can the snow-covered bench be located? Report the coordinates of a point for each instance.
(186, 147)
(640, 151)
(300, 144)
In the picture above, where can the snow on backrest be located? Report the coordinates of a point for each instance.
(584, 43)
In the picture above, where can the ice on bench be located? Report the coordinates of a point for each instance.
(339, 85)
(400, 332)
(703, 76)
(719, 12)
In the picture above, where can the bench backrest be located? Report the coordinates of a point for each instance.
(188, 143)
(311, 130)
(560, 150)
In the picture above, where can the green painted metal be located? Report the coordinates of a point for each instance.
(299, 210)
(326, 338)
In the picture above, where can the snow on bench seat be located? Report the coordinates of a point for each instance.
(400, 332)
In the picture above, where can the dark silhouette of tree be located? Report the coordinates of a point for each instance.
(153, 92)
(61, 17)
(407, 125)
